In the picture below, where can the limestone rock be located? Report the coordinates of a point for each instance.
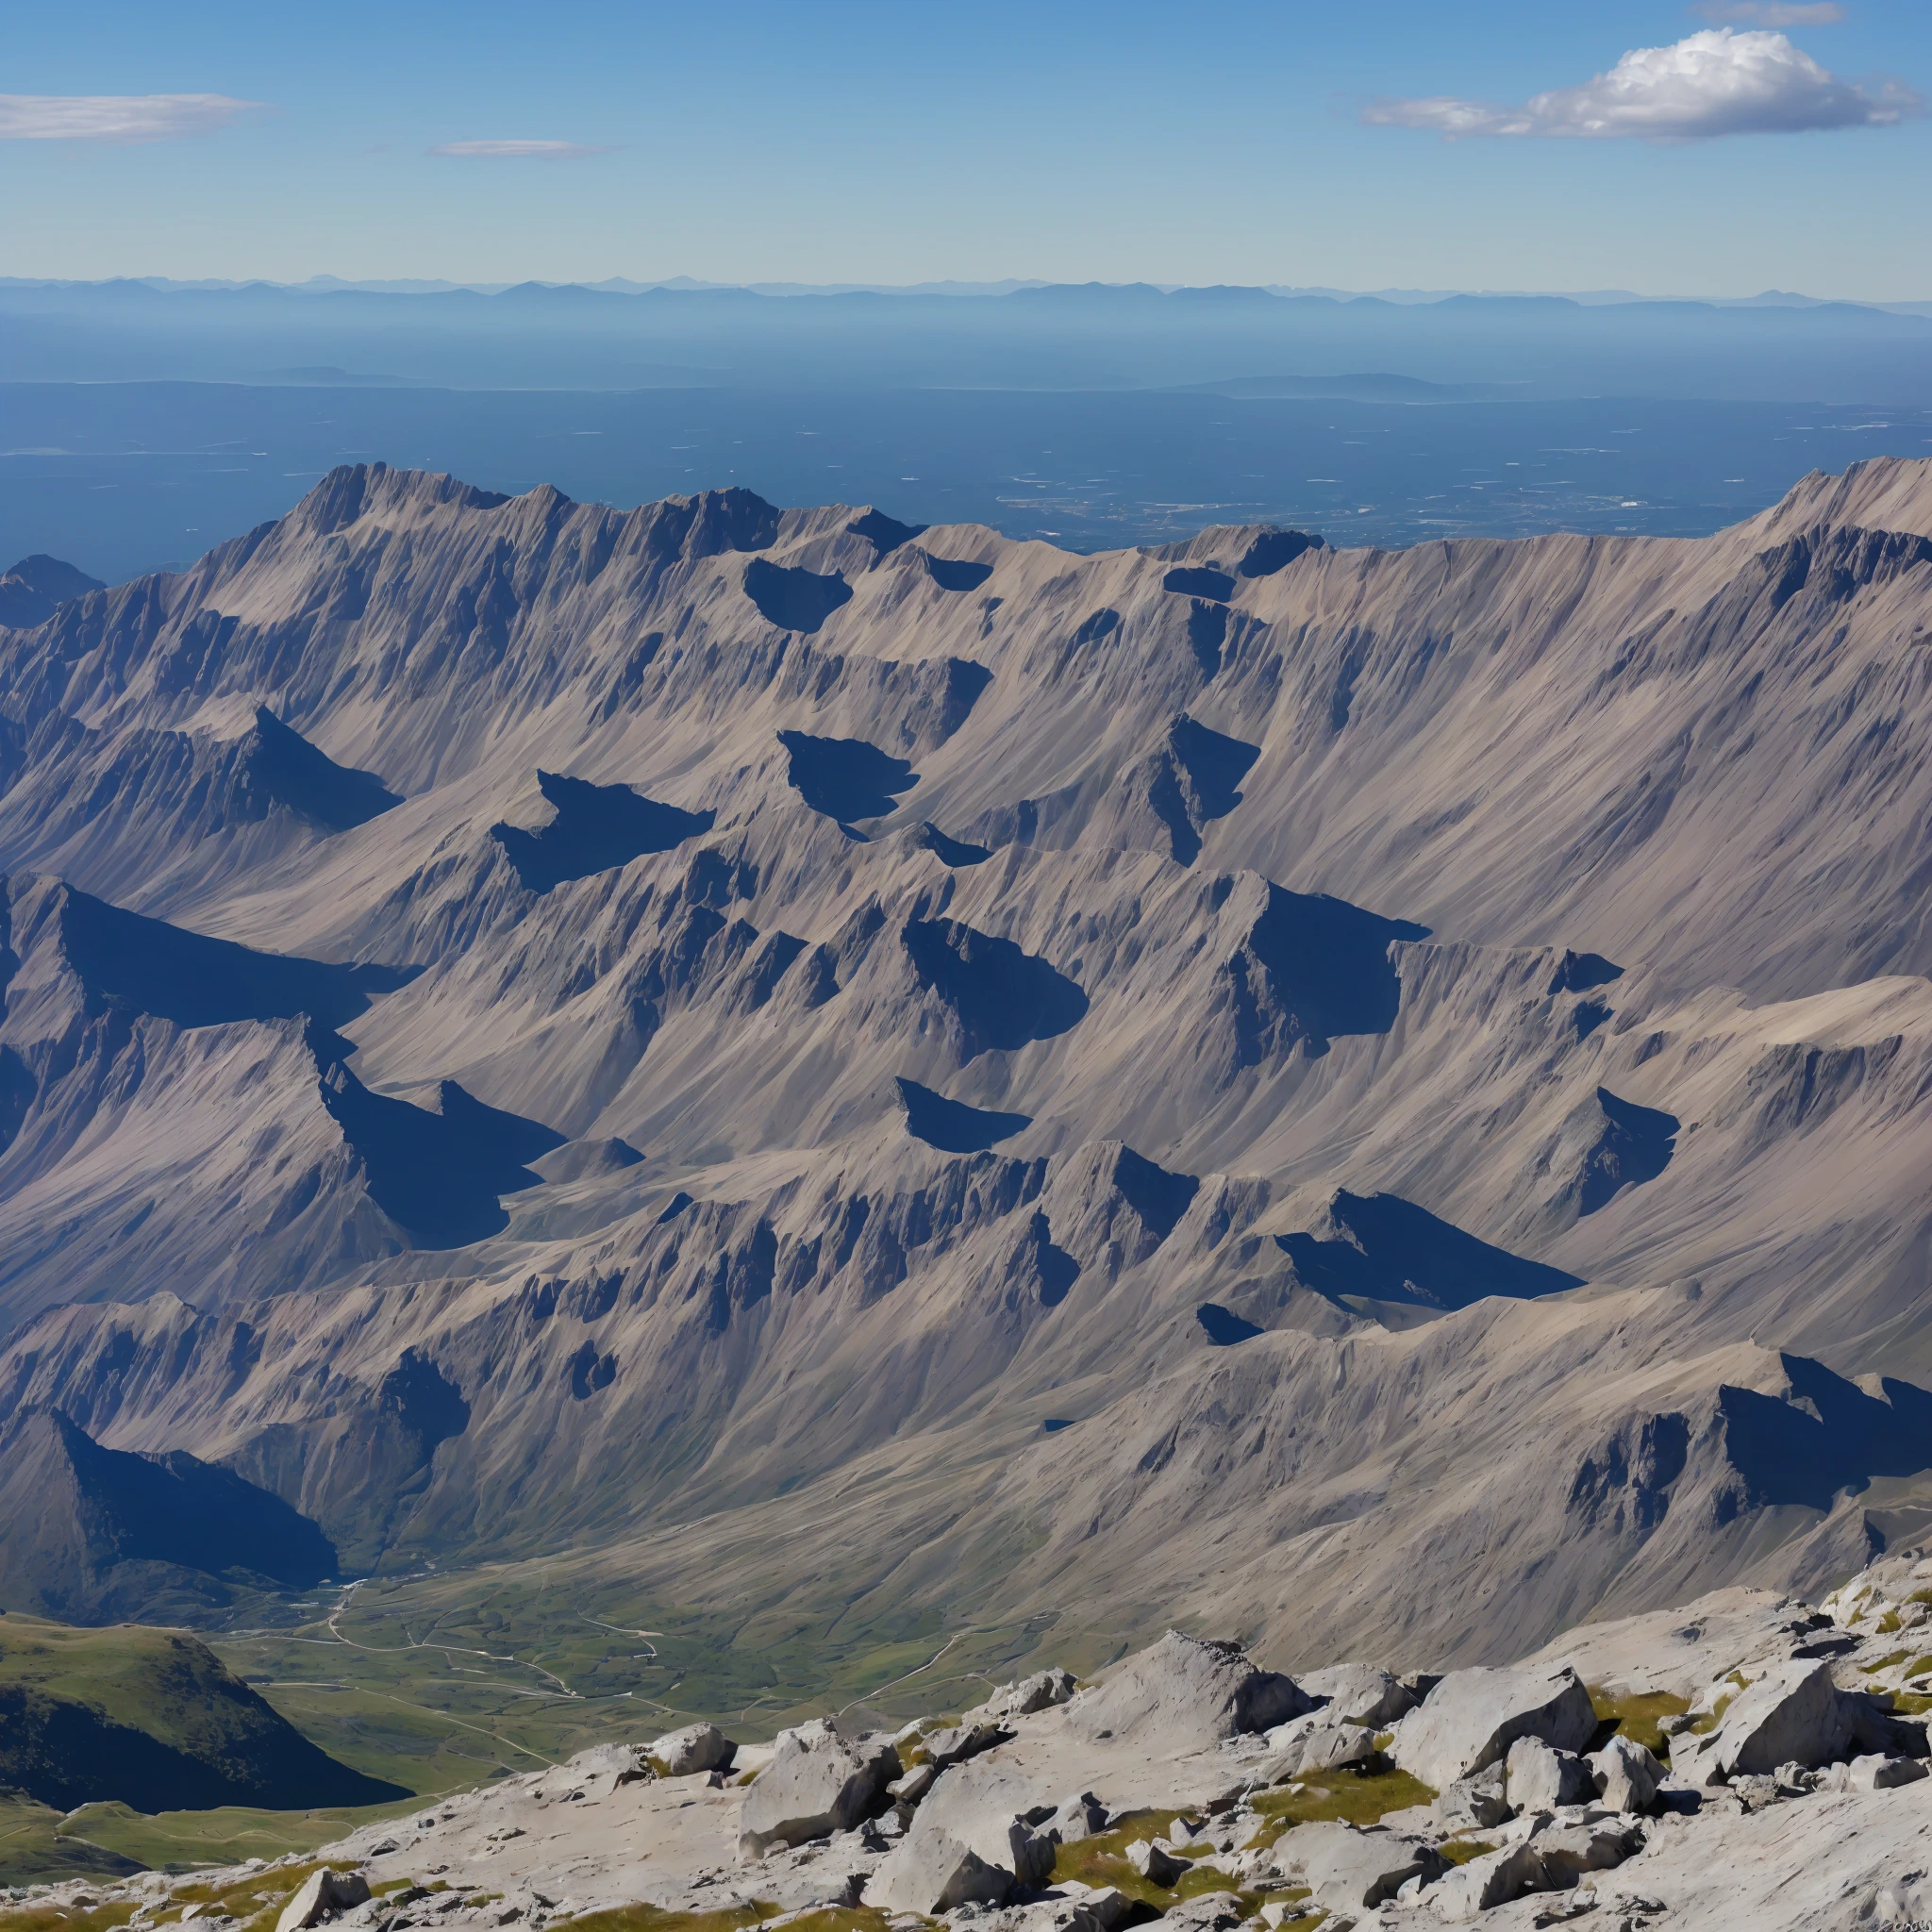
(1878, 1772)
(1794, 1713)
(1625, 1774)
(1208, 1911)
(992, 1809)
(817, 1783)
(1492, 1879)
(1076, 1818)
(1359, 1695)
(1471, 1718)
(1040, 1691)
(1569, 1851)
(1347, 1869)
(696, 1748)
(964, 1740)
(324, 1893)
(1186, 1692)
(1537, 1778)
(931, 1872)
(1155, 1862)
(1474, 1804)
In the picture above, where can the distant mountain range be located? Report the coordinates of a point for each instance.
(799, 1059)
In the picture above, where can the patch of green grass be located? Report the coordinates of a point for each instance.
(1460, 1851)
(1638, 1717)
(642, 1918)
(1883, 1663)
(183, 1841)
(1356, 1795)
(35, 1851)
(1887, 1624)
(255, 1901)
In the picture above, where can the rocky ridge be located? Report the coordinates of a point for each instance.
(1784, 1784)
(1299, 1071)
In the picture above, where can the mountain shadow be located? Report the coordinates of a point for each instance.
(1313, 968)
(845, 779)
(955, 572)
(884, 533)
(1193, 778)
(1000, 996)
(1634, 1145)
(1822, 1435)
(955, 852)
(1203, 581)
(1275, 550)
(951, 1124)
(286, 768)
(1387, 1249)
(195, 981)
(1223, 1327)
(594, 828)
(794, 599)
(437, 1175)
(81, 1527)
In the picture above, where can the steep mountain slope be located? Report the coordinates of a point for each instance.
(1420, 1057)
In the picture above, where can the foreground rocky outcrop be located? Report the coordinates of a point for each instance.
(1171, 1788)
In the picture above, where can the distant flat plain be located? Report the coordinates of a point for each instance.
(121, 478)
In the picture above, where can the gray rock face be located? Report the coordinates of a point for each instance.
(1492, 1879)
(1626, 1774)
(989, 1808)
(1474, 1804)
(817, 1783)
(696, 1748)
(1538, 1778)
(322, 1893)
(932, 1872)
(1076, 1818)
(1185, 1690)
(1794, 1713)
(1347, 1869)
(1569, 1851)
(964, 1740)
(1314, 1743)
(1040, 1691)
(1878, 1772)
(1471, 1718)
(1359, 1695)
(1155, 1862)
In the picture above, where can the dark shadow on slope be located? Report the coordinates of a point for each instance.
(1583, 973)
(956, 573)
(195, 981)
(1222, 1326)
(1826, 1435)
(1314, 968)
(845, 779)
(1201, 580)
(437, 1175)
(309, 783)
(884, 533)
(1275, 550)
(1155, 1194)
(794, 599)
(1635, 1147)
(595, 829)
(1000, 996)
(1207, 634)
(952, 1125)
(956, 852)
(675, 1207)
(1387, 1249)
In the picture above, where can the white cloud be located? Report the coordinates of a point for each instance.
(1774, 12)
(115, 117)
(1713, 83)
(514, 150)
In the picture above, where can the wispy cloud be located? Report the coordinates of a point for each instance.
(1711, 84)
(116, 117)
(515, 150)
(1772, 13)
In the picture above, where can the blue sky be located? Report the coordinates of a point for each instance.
(1223, 141)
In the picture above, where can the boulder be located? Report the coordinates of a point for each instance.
(696, 1748)
(931, 1872)
(964, 1740)
(1155, 1862)
(1040, 1691)
(1793, 1713)
(1626, 1774)
(1878, 1772)
(1185, 1693)
(1474, 1804)
(1076, 1818)
(322, 1893)
(1492, 1879)
(595, 1773)
(1471, 1718)
(1208, 1911)
(1359, 1695)
(1569, 1851)
(817, 1783)
(1538, 1777)
(1347, 1869)
(995, 1811)
(1077, 1908)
